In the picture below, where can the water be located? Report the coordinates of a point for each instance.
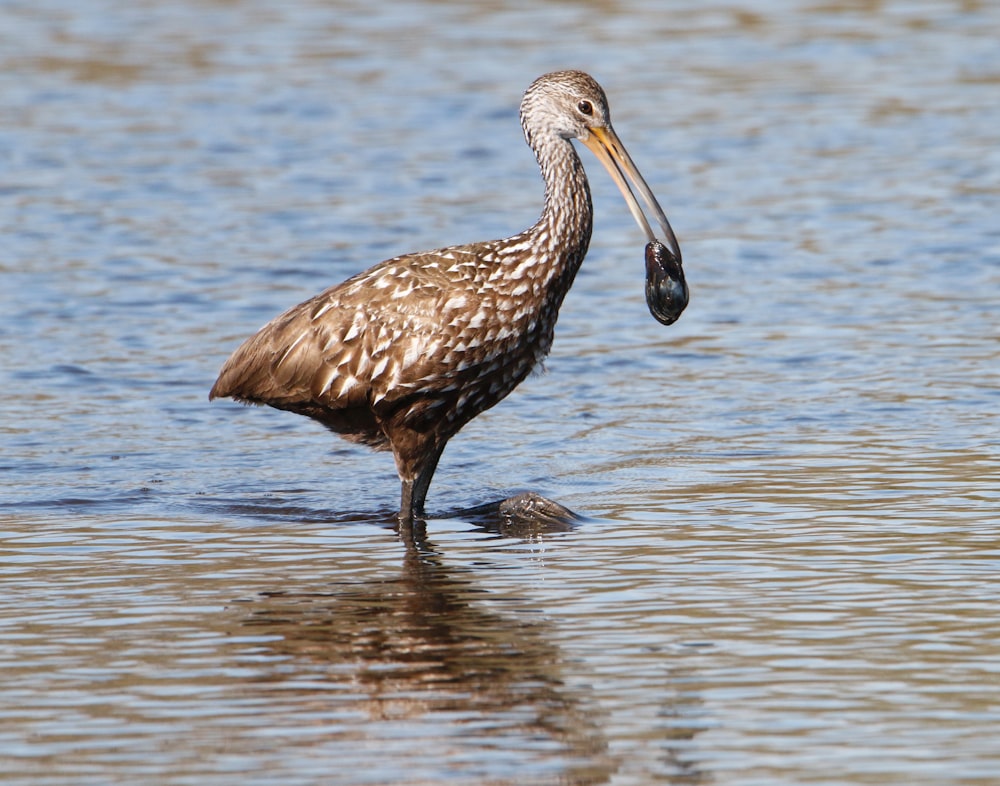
(787, 572)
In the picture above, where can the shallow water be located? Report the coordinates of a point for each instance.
(787, 567)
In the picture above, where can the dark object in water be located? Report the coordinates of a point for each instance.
(666, 289)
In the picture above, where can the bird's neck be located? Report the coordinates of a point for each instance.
(566, 222)
(538, 266)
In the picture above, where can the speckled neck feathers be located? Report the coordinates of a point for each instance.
(562, 233)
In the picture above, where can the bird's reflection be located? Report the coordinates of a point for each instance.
(427, 647)
(427, 641)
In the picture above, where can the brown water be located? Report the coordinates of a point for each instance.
(788, 572)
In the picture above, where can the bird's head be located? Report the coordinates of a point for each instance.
(571, 105)
(565, 103)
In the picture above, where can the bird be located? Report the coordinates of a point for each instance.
(403, 355)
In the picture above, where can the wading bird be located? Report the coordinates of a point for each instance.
(403, 355)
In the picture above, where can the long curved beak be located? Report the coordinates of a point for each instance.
(604, 143)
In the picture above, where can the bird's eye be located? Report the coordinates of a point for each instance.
(586, 108)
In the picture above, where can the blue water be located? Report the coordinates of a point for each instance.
(786, 568)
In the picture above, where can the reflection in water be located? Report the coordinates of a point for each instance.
(679, 719)
(424, 643)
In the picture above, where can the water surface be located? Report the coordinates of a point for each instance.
(787, 568)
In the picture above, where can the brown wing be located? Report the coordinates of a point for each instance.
(398, 329)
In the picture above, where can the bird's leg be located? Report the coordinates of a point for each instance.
(423, 481)
(406, 503)
(416, 480)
